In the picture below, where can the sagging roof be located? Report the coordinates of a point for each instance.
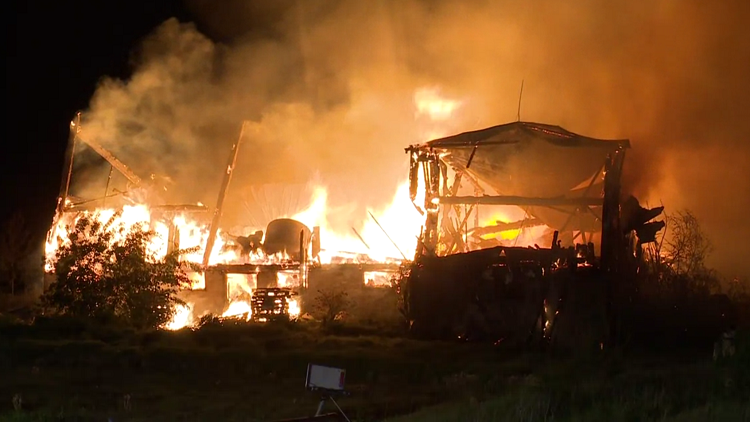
(533, 160)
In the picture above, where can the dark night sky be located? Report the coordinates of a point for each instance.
(57, 53)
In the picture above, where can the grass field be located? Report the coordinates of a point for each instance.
(73, 371)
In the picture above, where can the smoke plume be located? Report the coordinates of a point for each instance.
(329, 86)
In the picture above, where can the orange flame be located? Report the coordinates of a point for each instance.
(399, 219)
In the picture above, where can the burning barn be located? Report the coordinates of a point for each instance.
(511, 217)
(474, 277)
(258, 273)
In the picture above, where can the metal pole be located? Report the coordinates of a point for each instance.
(339, 408)
(321, 404)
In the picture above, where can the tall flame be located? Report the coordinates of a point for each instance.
(399, 220)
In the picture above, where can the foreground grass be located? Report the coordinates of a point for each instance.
(532, 407)
(247, 372)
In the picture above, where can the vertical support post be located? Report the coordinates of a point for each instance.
(220, 201)
(173, 237)
(75, 128)
(432, 186)
(611, 233)
(413, 174)
(612, 237)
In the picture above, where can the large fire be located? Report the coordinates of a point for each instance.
(384, 234)
(191, 233)
(399, 219)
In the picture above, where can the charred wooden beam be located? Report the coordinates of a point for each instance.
(111, 159)
(612, 243)
(75, 127)
(520, 200)
(220, 201)
(611, 231)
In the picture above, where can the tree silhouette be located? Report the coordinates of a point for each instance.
(685, 251)
(109, 272)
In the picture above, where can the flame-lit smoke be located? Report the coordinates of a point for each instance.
(331, 85)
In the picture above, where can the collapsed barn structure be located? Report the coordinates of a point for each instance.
(267, 269)
(463, 284)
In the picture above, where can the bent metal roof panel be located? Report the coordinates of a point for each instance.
(532, 160)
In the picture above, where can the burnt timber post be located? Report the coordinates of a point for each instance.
(431, 168)
(75, 127)
(612, 237)
(220, 201)
(111, 159)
